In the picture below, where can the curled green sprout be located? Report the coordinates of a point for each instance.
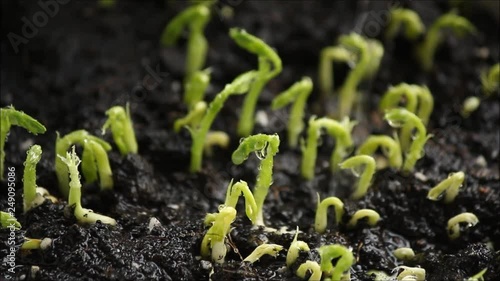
(478, 276)
(364, 182)
(215, 138)
(399, 117)
(95, 160)
(450, 186)
(490, 80)
(371, 216)
(265, 147)
(84, 216)
(213, 245)
(470, 105)
(460, 26)
(298, 94)
(122, 128)
(328, 56)
(344, 262)
(34, 155)
(454, 223)
(234, 191)
(10, 116)
(295, 247)
(321, 219)
(196, 85)
(369, 54)
(413, 26)
(199, 130)
(342, 133)
(390, 148)
(404, 254)
(410, 273)
(195, 18)
(310, 266)
(269, 66)
(7, 220)
(264, 249)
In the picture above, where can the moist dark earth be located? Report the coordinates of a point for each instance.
(87, 59)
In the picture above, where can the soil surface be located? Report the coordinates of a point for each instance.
(86, 59)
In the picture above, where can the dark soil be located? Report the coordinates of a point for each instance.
(87, 59)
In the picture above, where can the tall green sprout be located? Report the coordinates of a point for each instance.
(33, 156)
(269, 67)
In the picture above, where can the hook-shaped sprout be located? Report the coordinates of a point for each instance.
(266, 147)
(264, 249)
(454, 223)
(215, 237)
(364, 182)
(450, 186)
(328, 56)
(390, 148)
(321, 219)
(413, 26)
(295, 247)
(234, 191)
(344, 256)
(298, 94)
(310, 266)
(372, 217)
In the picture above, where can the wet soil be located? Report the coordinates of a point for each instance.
(86, 59)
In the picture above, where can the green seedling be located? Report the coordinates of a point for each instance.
(478, 276)
(410, 273)
(356, 162)
(341, 131)
(122, 128)
(450, 186)
(369, 54)
(470, 105)
(193, 118)
(195, 18)
(344, 257)
(454, 223)
(234, 191)
(199, 130)
(269, 66)
(406, 18)
(399, 117)
(265, 148)
(460, 26)
(95, 162)
(390, 148)
(264, 249)
(490, 80)
(36, 244)
(298, 94)
(328, 56)
(295, 248)
(213, 245)
(404, 254)
(312, 267)
(10, 116)
(9, 221)
(195, 87)
(321, 220)
(215, 138)
(83, 216)
(371, 217)
(34, 155)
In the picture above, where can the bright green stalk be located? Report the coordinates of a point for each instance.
(264, 249)
(457, 24)
(239, 86)
(372, 217)
(390, 148)
(454, 223)
(195, 18)
(490, 80)
(341, 131)
(309, 266)
(196, 86)
(295, 247)
(398, 117)
(9, 221)
(344, 262)
(265, 147)
(425, 104)
(369, 54)
(321, 218)
(122, 129)
(395, 94)
(10, 116)
(216, 235)
(450, 186)
(85, 216)
(366, 177)
(34, 155)
(90, 170)
(413, 26)
(298, 94)
(328, 56)
(269, 66)
(234, 191)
